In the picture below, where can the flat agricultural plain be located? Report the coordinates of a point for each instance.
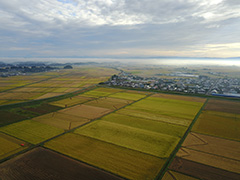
(128, 96)
(220, 124)
(10, 145)
(70, 101)
(86, 111)
(179, 97)
(213, 145)
(154, 116)
(168, 107)
(40, 109)
(146, 124)
(116, 159)
(8, 117)
(172, 175)
(223, 106)
(99, 92)
(201, 171)
(61, 120)
(157, 144)
(41, 163)
(216, 161)
(110, 103)
(31, 131)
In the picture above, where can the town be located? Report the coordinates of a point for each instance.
(182, 82)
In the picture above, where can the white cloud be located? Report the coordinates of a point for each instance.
(111, 27)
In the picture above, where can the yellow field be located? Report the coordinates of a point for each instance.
(122, 161)
(178, 97)
(85, 111)
(168, 107)
(70, 101)
(128, 96)
(48, 95)
(154, 116)
(110, 103)
(153, 143)
(61, 120)
(31, 131)
(10, 145)
(19, 96)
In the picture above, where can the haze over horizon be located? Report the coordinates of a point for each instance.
(119, 28)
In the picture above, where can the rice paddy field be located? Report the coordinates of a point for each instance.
(50, 84)
(116, 159)
(211, 149)
(31, 131)
(78, 130)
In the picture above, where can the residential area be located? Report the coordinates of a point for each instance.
(186, 83)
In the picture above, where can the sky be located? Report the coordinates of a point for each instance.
(119, 28)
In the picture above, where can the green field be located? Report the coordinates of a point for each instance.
(61, 120)
(168, 107)
(110, 103)
(155, 126)
(225, 125)
(31, 131)
(154, 116)
(128, 96)
(119, 160)
(157, 144)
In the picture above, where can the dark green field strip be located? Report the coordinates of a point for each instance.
(173, 154)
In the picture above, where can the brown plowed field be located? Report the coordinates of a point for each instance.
(178, 97)
(171, 175)
(201, 171)
(213, 145)
(42, 164)
(225, 125)
(223, 106)
(85, 111)
(210, 159)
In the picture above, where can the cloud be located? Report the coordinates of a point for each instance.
(119, 27)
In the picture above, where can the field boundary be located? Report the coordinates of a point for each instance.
(173, 154)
